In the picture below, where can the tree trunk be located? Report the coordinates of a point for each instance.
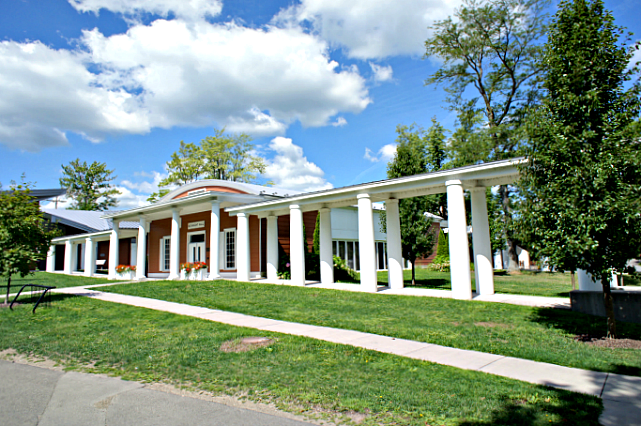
(6, 299)
(573, 283)
(413, 274)
(513, 259)
(609, 308)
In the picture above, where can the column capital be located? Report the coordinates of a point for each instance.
(294, 207)
(242, 214)
(89, 240)
(215, 203)
(478, 189)
(325, 209)
(453, 182)
(361, 196)
(391, 201)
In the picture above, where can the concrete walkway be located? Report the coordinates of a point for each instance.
(621, 394)
(44, 397)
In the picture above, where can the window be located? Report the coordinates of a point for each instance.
(230, 249)
(165, 250)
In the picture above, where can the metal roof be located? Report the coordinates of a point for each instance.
(86, 220)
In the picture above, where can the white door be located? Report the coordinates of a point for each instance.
(196, 248)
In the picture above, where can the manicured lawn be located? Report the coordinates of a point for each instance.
(532, 333)
(547, 284)
(530, 283)
(293, 372)
(58, 280)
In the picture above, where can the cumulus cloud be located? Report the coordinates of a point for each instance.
(290, 168)
(381, 73)
(370, 29)
(128, 200)
(48, 92)
(386, 153)
(340, 122)
(185, 9)
(636, 57)
(171, 73)
(145, 187)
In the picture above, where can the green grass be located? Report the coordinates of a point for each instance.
(57, 280)
(295, 373)
(533, 283)
(529, 283)
(532, 333)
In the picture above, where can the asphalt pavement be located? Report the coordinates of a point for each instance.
(31, 395)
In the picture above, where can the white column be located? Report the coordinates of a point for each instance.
(90, 257)
(68, 257)
(483, 272)
(459, 250)
(141, 246)
(326, 253)
(214, 237)
(114, 249)
(296, 245)
(367, 248)
(174, 246)
(51, 259)
(243, 261)
(272, 247)
(394, 249)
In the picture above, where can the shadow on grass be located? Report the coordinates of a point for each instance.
(568, 409)
(434, 283)
(28, 299)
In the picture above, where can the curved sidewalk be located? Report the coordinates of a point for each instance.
(621, 394)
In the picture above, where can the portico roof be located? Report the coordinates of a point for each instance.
(502, 172)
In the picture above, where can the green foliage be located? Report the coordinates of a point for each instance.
(342, 272)
(284, 265)
(155, 196)
(491, 49)
(583, 181)
(23, 237)
(316, 247)
(222, 156)
(89, 185)
(443, 247)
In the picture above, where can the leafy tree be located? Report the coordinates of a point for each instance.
(186, 165)
(437, 159)
(23, 237)
(316, 247)
(89, 185)
(155, 196)
(222, 156)
(493, 48)
(583, 180)
(411, 158)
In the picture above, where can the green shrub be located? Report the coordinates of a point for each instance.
(342, 272)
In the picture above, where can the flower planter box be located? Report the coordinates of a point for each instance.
(193, 274)
(127, 276)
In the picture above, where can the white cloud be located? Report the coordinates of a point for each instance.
(186, 9)
(145, 187)
(171, 73)
(386, 153)
(48, 92)
(129, 200)
(340, 121)
(371, 28)
(381, 73)
(290, 169)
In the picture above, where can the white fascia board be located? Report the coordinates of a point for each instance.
(497, 172)
(97, 236)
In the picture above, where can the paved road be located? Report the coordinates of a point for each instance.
(38, 396)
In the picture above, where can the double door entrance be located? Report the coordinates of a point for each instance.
(196, 248)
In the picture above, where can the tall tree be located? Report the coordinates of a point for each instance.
(222, 156)
(437, 158)
(492, 47)
(583, 180)
(23, 237)
(186, 165)
(411, 158)
(89, 185)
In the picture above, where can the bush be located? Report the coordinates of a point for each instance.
(342, 272)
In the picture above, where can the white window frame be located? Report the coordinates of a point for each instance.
(189, 234)
(224, 262)
(163, 253)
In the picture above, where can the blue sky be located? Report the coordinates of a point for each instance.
(319, 84)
